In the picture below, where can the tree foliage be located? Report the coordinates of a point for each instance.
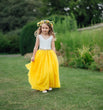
(85, 11)
(27, 38)
(15, 14)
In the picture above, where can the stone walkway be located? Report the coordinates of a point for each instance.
(91, 27)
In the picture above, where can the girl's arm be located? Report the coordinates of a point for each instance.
(36, 46)
(53, 45)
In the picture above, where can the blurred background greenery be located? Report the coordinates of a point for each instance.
(81, 49)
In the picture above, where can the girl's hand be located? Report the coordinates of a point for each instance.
(32, 58)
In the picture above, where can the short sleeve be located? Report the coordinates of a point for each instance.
(54, 39)
(38, 36)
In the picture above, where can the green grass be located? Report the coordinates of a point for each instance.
(76, 39)
(80, 89)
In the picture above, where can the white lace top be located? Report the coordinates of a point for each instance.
(45, 43)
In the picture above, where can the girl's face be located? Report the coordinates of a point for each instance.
(45, 28)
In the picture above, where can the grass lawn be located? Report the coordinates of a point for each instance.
(80, 89)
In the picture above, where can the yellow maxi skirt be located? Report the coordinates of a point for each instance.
(44, 70)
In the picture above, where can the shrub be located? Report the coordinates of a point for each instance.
(63, 23)
(68, 23)
(27, 38)
(13, 43)
(56, 18)
(98, 59)
(57, 44)
(3, 43)
(9, 43)
(83, 58)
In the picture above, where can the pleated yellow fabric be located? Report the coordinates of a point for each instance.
(44, 70)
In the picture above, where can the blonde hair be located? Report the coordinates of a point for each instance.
(39, 31)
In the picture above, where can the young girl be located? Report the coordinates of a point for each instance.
(43, 68)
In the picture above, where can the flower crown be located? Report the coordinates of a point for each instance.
(45, 21)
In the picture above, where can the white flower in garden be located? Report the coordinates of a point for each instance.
(87, 7)
(77, 6)
(100, 8)
(66, 8)
(49, 3)
(34, 10)
(100, 5)
(74, 8)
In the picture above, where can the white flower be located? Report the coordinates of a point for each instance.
(66, 8)
(100, 5)
(77, 6)
(34, 10)
(100, 8)
(74, 8)
(49, 3)
(87, 7)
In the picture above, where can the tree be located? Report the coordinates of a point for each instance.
(85, 11)
(15, 14)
